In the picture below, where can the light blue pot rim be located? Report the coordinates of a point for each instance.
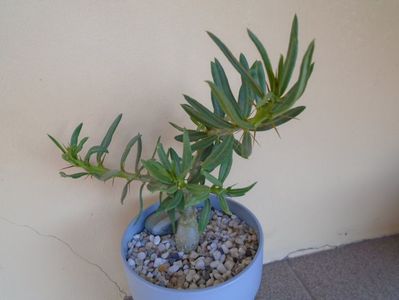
(228, 282)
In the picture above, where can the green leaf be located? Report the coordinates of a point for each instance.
(280, 72)
(160, 187)
(176, 161)
(291, 56)
(225, 168)
(201, 118)
(75, 135)
(240, 191)
(284, 118)
(74, 176)
(212, 179)
(219, 153)
(245, 96)
(157, 171)
(163, 157)
(93, 150)
(109, 174)
(215, 76)
(171, 202)
(265, 58)
(207, 113)
(223, 82)
(246, 145)
(231, 108)
(177, 126)
(57, 143)
(298, 88)
(193, 135)
(197, 194)
(236, 64)
(224, 205)
(187, 155)
(132, 142)
(204, 216)
(261, 76)
(198, 118)
(141, 202)
(81, 144)
(204, 143)
(108, 136)
(124, 192)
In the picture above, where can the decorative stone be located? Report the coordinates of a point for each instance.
(157, 240)
(159, 223)
(200, 263)
(131, 262)
(141, 256)
(223, 252)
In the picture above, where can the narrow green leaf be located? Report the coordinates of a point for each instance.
(155, 186)
(163, 157)
(232, 110)
(177, 126)
(225, 167)
(219, 153)
(265, 58)
(197, 194)
(81, 144)
(141, 202)
(236, 64)
(109, 174)
(240, 191)
(176, 161)
(138, 155)
(57, 143)
(129, 146)
(75, 135)
(198, 116)
(280, 72)
(108, 136)
(245, 96)
(284, 118)
(193, 135)
(224, 205)
(204, 143)
(298, 88)
(204, 216)
(157, 171)
(171, 202)
(124, 192)
(93, 150)
(207, 113)
(216, 78)
(212, 179)
(187, 155)
(224, 82)
(246, 145)
(74, 176)
(291, 56)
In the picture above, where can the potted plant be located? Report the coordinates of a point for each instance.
(177, 248)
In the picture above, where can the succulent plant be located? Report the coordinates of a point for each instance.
(265, 101)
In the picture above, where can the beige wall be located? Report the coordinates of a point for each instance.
(331, 179)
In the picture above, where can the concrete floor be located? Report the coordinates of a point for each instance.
(364, 270)
(359, 271)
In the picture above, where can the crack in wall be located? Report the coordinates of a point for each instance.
(122, 293)
(309, 250)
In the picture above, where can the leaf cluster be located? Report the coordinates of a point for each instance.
(265, 100)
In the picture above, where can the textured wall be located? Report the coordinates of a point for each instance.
(331, 179)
